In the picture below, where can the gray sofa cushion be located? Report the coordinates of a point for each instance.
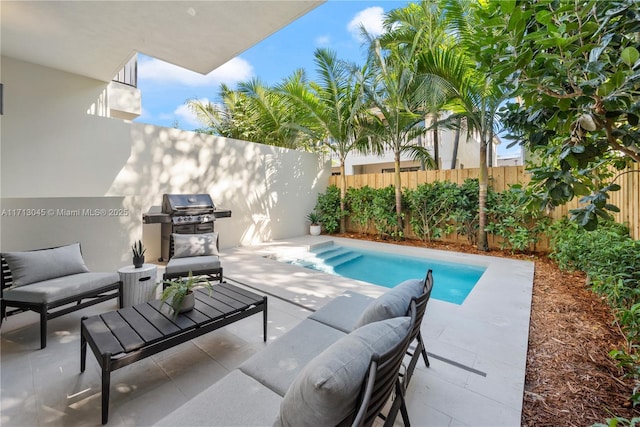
(343, 312)
(182, 265)
(35, 266)
(326, 390)
(279, 363)
(393, 303)
(192, 245)
(60, 288)
(235, 400)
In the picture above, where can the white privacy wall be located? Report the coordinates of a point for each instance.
(67, 175)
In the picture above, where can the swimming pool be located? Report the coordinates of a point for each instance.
(452, 281)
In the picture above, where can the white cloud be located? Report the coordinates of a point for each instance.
(233, 71)
(186, 118)
(323, 41)
(371, 18)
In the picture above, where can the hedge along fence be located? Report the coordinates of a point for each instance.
(627, 199)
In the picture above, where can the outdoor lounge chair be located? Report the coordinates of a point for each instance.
(382, 379)
(197, 254)
(44, 280)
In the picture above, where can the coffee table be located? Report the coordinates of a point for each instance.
(121, 337)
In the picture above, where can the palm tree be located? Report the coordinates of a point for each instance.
(335, 110)
(253, 112)
(421, 24)
(448, 33)
(475, 98)
(397, 95)
(227, 118)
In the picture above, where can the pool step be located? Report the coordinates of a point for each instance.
(328, 251)
(343, 259)
(335, 256)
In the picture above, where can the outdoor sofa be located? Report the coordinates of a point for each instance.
(318, 373)
(53, 282)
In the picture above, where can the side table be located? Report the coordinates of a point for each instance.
(138, 284)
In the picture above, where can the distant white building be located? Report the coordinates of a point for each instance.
(467, 155)
(510, 160)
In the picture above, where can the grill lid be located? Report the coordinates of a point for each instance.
(186, 203)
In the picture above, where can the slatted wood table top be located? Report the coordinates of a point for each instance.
(119, 338)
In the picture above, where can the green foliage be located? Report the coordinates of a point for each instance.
(384, 213)
(313, 217)
(258, 113)
(138, 249)
(516, 219)
(328, 209)
(176, 290)
(575, 68)
(466, 210)
(619, 422)
(431, 206)
(360, 205)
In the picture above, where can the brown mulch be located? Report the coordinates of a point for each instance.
(570, 378)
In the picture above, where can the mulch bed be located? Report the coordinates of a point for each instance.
(570, 378)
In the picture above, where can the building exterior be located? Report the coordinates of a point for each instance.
(467, 155)
(67, 144)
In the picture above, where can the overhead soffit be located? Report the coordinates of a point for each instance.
(96, 38)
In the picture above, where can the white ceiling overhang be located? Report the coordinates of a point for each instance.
(96, 38)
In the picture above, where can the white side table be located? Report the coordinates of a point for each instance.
(138, 284)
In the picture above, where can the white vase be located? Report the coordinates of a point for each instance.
(315, 230)
(187, 303)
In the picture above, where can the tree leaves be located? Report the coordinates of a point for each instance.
(575, 61)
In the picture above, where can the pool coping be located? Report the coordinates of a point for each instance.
(487, 335)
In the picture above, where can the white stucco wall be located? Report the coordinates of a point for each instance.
(56, 159)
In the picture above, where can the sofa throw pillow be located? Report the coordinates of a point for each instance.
(189, 245)
(325, 392)
(35, 266)
(393, 303)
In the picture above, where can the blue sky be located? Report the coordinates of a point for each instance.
(334, 25)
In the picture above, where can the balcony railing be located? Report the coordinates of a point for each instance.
(129, 73)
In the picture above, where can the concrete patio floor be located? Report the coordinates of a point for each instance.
(477, 349)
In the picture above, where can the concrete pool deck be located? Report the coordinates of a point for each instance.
(477, 349)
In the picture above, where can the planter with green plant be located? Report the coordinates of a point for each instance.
(180, 292)
(138, 254)
(315, 227)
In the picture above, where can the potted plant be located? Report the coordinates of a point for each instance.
(138, 254)
(315, 227)
(180, 292)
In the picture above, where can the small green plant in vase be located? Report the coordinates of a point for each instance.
(181, 292)
(138, 254)
(314, 219)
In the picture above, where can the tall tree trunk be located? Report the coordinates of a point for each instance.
(436, 141)
(343, 194)
(456, 143)
(483, 244)
(490, 149)
(398, 186)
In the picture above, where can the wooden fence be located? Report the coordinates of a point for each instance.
(500, 178)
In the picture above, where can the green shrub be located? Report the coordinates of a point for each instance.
(466, 211)
(359, 202)
(328, 208)
(384, 212)
(512, 216)
(431, 206)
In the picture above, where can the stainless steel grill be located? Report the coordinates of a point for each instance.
(183, 214)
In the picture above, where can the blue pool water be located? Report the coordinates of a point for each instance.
(452, 281)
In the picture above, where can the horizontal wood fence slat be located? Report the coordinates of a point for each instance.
(500, 178)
